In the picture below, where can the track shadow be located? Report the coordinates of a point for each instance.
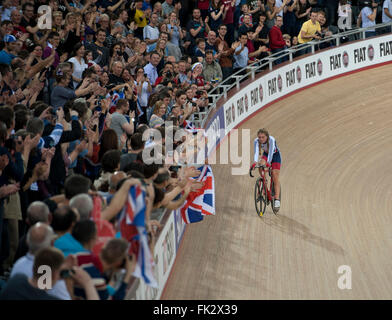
(292, 227)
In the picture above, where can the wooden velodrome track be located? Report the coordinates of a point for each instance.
(336, 144)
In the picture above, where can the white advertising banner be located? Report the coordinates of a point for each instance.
(302, 73)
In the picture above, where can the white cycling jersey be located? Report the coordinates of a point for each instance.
(273, 148)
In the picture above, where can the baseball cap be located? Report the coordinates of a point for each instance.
(9, 38)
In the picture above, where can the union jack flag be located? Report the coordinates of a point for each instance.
(115, 96)
(133, 216)
(201, 202)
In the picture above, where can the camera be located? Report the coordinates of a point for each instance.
(169, 74)
(66, 273)
(367, 3)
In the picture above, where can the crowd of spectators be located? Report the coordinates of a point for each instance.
(88, 89)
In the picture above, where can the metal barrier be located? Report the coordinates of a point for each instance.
(251, 70)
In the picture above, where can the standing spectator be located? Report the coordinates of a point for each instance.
(37, 211)
(182, 72)
(216, 13)
(331, 7)
(121, 22)
(6, 10)
(115, 77)
(157, 117)
(139, 18)
(144, 89)
(79, 64)
(28, 16)
(200, 51)
(174, 29)
(20, 287)
(302, 13)
(262, 37)
(6, 28)
(345, 16)
(167, 8)
(39, 236)
(310, 30)
(151, 68)
(241, 52)
(151, 32)
(119, 122)
(225, 52)
(197, 27)
(277, 43)
(212, 71)
(203, 6)
(289, 18)
(62, 93)
(272, 10)
(19, 31)
(98, 48)
(228, 19)
(53, 43)
(9, 51)
(367, 18)
(211, 41)
(387, 14)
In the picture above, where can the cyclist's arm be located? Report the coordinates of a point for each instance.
(272, 147)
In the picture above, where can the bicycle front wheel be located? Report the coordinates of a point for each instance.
(260, 197)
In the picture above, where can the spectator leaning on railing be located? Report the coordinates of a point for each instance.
(310, 30)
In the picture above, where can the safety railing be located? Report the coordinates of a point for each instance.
(268, 63)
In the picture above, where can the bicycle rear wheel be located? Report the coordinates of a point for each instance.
(273, 197)
(260, 197)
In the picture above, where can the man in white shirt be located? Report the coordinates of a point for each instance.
(151, 32)
(39, 236)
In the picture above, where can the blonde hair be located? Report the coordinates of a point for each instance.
(57, 14)
(157, 106)
(264, 131)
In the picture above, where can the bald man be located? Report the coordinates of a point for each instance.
(39, 236)
(37, 211)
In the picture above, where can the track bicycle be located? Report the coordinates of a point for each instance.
(262, 194)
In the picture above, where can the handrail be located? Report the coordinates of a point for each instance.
(250, 70)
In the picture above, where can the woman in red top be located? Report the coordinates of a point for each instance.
(203, 5)
(108, 142)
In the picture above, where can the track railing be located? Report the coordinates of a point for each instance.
(268, 63)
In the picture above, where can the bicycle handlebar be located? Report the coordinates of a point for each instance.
(255, 167)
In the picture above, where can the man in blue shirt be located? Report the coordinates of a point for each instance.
(241, 52)
(387, 14)
(151, 68)
(8, 53)
(367, 18)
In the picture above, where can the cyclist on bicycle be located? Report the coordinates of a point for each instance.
(267, 153)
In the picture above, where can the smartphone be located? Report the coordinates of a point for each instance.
(66, 273)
